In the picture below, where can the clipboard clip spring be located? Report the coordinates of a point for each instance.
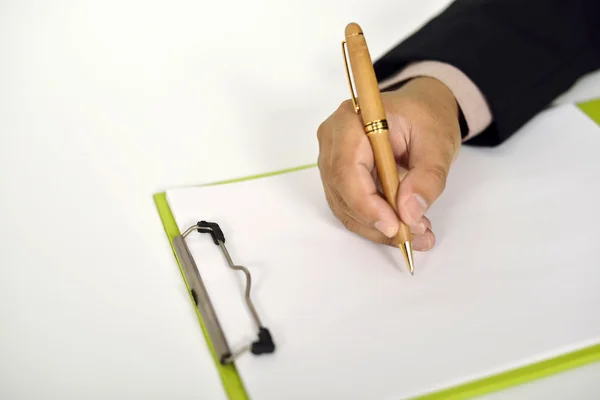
(264, 343)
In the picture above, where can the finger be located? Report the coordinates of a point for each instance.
(421, 227)
(421, 242)
(417, 228)
(424, 242)
(324, 138)
(430, 157)
(351, 178)
(352, 224)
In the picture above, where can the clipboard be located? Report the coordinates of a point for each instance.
(230, 378)
(234, 387)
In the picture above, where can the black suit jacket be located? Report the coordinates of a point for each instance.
(522, 54)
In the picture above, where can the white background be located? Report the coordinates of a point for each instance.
(104, 103)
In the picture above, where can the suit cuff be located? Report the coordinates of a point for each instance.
(471, 101)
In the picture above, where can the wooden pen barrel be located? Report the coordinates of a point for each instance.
(374, 119)
(365, 81)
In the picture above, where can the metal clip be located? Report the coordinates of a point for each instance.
(354, 100)
(264, 344)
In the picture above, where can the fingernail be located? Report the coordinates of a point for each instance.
(419, 228)
(386, 229)
(422, 242)
(415, 207)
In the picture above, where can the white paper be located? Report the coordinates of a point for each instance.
(514, 277)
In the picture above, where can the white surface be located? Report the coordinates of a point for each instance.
(101, 105)
(353, 326)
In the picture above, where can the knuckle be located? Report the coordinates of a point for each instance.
(346, 106)
(321, 131)
(321, 165)
(350, 223)
(324, 153)
(437, 174)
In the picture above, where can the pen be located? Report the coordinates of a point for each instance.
(376, 126)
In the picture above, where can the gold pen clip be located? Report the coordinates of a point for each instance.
(354, 100)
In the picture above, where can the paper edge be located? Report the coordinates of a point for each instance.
(497, 382)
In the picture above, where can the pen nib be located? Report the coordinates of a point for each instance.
(407, 252)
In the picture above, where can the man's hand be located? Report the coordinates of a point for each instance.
(425, 137)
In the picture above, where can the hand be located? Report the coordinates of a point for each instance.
(425, 136)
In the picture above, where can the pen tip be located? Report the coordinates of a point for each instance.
(407, 252)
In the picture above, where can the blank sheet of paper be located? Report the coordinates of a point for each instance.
(514, 277)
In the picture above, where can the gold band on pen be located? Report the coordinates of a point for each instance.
(376, 126)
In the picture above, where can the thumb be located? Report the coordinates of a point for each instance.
(429, 165)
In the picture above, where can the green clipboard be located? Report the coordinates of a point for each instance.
(234, 386)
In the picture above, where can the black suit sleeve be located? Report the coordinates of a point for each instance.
(522, 54)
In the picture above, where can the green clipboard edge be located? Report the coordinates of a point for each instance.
(592, 109)
(234, 386)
